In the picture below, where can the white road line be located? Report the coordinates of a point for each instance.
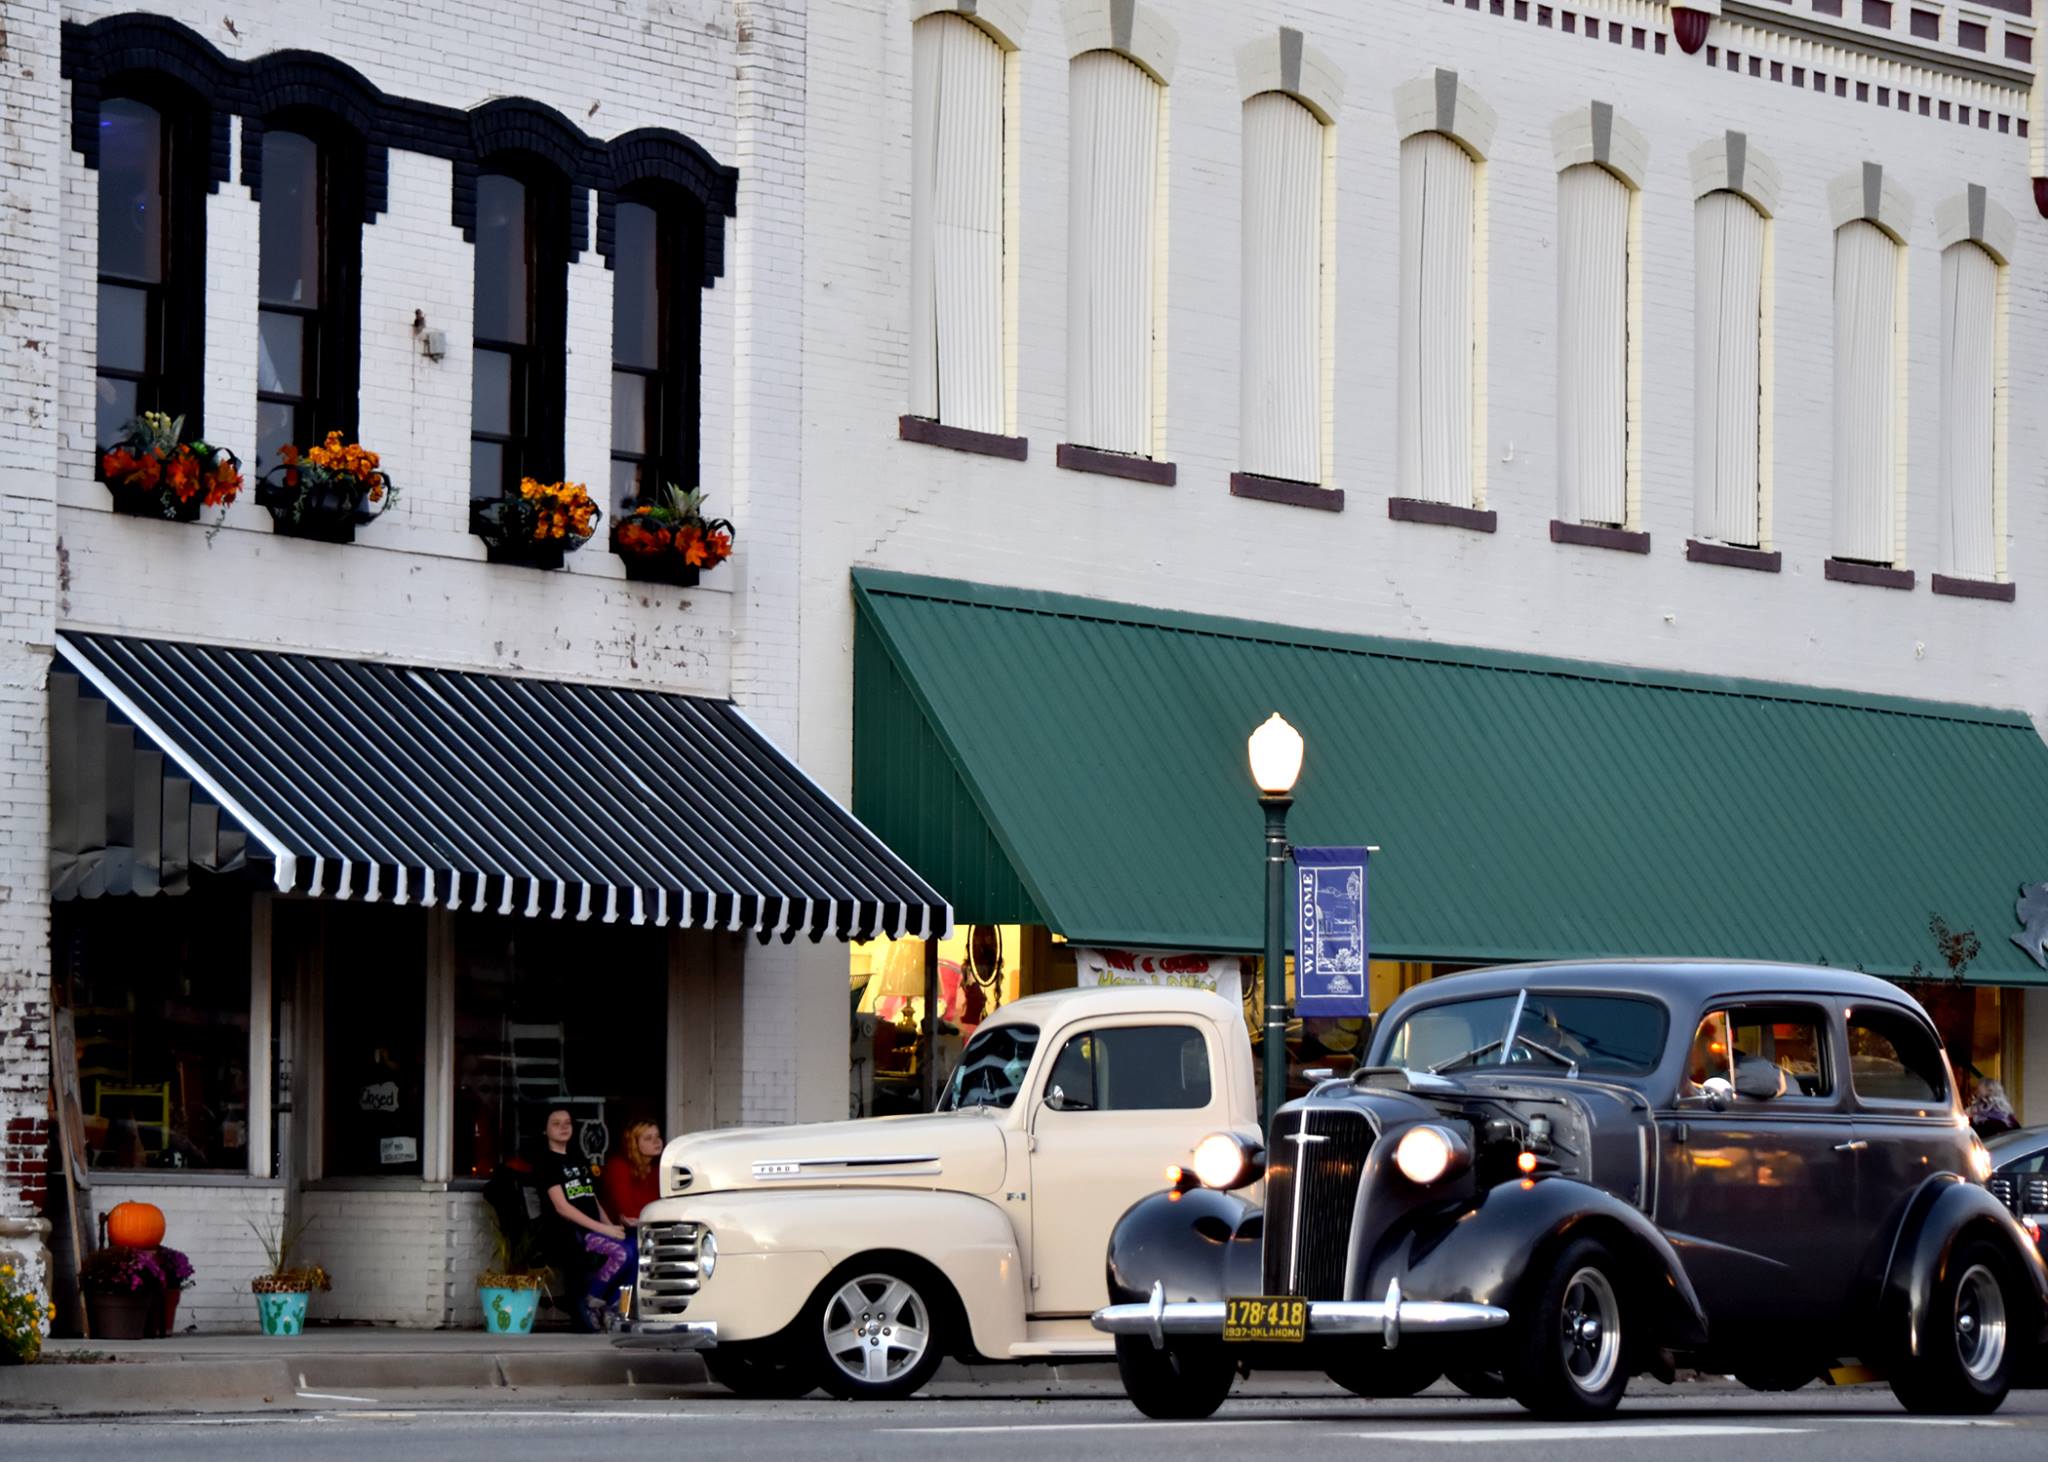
(1083, 1426)
(1927, 1420)
(1606, 1431)
(495, 1413)
(334, 1396)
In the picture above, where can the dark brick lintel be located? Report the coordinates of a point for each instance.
(960, 439)
(1286, 490)
(1973, 588)
(1843, 571)
(1117, 464)
(1728, 555)
(1447, 515)
(1597, 535)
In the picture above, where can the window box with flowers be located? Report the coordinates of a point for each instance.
(326, 492)
(670, 541)
(537, 526)
(152, 472)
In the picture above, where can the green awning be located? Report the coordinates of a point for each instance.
(1081, 764)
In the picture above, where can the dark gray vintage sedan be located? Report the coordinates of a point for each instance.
(1549, 1178)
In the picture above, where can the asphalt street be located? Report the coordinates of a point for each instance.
(1685, 1423)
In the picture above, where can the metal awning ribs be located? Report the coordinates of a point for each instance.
(480, 792)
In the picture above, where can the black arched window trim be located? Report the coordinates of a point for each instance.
(95, 53)
(540, 416)
(680, 373)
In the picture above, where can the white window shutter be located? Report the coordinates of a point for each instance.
(1728, 274)
(1436, 342)
(1112, 181)
(1969, 312)
(1281, 410)
(1592, 346)
(956, 222)
(1866, 395)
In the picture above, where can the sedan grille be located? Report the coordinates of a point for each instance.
(668, 1269)
(1312, 1177)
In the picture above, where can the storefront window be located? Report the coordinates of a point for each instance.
(979, 967)
(158, 990)
(375, 977)
(555, 1015)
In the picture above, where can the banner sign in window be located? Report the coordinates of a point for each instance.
(1334, 931)
(1218, 972)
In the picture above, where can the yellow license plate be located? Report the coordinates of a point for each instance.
(1265, 1317)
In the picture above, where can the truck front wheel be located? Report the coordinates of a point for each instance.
(1185, 1381)
(873, 1330)
(759, 1373)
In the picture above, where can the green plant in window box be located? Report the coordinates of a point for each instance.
(153, 472)
(536, 525)
(669, 540)
(326, 492)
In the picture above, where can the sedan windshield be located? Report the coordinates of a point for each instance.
(1533, 1029)
(991, 1069)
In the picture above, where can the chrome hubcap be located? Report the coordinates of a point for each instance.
(876, 1329)
(1591, 1332)
(1980, 1323)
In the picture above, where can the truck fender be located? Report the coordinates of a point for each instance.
(799, 1235)
(1942, 1211)
(1486, 1251)
(1200, 1245)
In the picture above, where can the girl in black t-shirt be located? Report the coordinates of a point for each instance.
(569, 1193)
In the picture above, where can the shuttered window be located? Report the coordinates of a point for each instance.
(1969, 317)
(1436, 341)
(1728, 274)
(1281, 397)
(1112, 203)
(1592, 346)
(1866, 394)
(956, 222)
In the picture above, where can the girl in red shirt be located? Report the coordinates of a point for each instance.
(629, 1181)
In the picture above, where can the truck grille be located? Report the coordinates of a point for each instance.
(1317, 1159)
(2023, 1193)
(668, 1269)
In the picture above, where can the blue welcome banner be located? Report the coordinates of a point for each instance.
(1333, 931)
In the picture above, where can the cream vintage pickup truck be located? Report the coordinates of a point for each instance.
(853, 1256)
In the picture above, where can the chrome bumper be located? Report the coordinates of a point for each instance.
(668, 1335)
(1389, 1318)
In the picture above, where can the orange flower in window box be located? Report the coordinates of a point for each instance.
(326, 492)
(669, 540)
(539, 524)
(152, 472)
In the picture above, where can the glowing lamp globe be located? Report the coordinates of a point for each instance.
(1276, 756)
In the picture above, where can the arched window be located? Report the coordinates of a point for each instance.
(1728, 277)
(152, 258)
(521, 313)
(1592, 346)
(1969, 440)
(1866, 394)
(309, 286)
(1438, 200)
(657, 266)
(1281, 404)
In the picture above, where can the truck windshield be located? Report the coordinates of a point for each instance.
(1552, 1033)
(991, 1069)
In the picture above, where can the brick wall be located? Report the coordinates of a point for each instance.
(397, 1257)
(220, 1228)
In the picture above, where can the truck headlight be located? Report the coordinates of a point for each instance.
(1428, 1154)
(707, 1253)
(1224, 1160)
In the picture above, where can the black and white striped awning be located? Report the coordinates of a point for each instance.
(522, 796)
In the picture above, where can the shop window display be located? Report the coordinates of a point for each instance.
(978, 974)
(375, 971)
(158, 990)
(555, 1015)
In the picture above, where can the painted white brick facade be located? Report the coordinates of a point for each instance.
(220, 1228)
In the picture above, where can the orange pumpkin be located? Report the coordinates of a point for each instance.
(135, 1225)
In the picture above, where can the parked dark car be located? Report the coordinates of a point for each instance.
(2019, 1178)
(1549, 1178)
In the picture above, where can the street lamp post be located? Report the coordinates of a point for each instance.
(1276, 750)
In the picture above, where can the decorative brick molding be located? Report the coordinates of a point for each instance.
(1974, 216)
(1866, 194)
(1286, 490)
(1593, 133)
(960, 439)
(1729, 555)
(1973, 588)
(1440, 102)
(1445, 515)
(1597, 535)
(1732, 163)
(1846, 571)
(1006, 20)
(1286, 62)
(1116, 464)
(1136, 32)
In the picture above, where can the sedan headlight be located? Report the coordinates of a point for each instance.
(707, 1253)
(1428, 1154)
(1224, 1160)
(1980, 1159)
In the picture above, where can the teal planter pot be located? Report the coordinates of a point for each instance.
(509, 1311)
(282, 1314)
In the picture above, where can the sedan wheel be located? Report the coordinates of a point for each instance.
(874, 1331)
(1968, 1366)
(1568, 1354)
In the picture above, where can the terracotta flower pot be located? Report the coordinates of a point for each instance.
(135, 1316)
